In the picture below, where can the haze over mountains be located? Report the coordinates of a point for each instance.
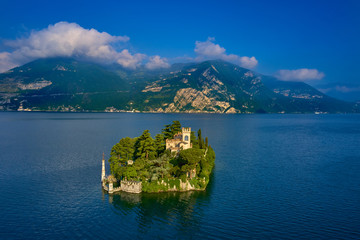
(65, 84)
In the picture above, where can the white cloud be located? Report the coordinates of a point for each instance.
(65, 39)
(128, 60)
(6, 62)
(248, 62)
(157, 62)
(210, 50)
(346, 89)
(302, 74)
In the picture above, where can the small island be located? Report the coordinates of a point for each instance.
(176, 160)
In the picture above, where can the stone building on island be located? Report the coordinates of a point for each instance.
(181, 140)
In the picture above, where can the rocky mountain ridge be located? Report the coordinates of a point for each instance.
(212, 86)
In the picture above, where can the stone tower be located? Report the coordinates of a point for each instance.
(103, 169)
(186, 133)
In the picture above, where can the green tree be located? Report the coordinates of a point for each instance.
(191, 156)
(159, 144)
(210, 156)
(167, 132)
(200, 140)
(115, 167)
(175, 171)
(194, 141)
(206, 142)
(141, 166)
(124, 149)
(175, 127)
(127, 148)
(144, 146)
(207, 163)
(190, 159)
(160, 167)
(171, 129)
(120, 153)
(130, 173)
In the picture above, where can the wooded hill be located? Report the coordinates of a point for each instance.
(64, 84)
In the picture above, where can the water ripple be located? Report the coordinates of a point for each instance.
(276, 177)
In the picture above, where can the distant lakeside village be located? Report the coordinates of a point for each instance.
(78, 109)
(176, 160)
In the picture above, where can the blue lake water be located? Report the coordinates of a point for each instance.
(276, 176)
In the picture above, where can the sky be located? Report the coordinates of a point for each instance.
(312, 41)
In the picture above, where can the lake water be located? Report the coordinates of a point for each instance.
(276, 176)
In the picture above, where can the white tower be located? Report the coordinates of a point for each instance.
(103, 169)
(186, 133)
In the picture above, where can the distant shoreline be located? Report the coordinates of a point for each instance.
(155, 112)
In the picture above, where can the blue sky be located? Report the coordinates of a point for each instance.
(312, 41)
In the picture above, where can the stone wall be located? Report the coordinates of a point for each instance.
(105, 187)
(186, 186)
(131, 186)
(136, 187)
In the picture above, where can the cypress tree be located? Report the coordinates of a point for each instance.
(175, 127)
(145, 146)
(159, 144)
(171, 129)
(193, 140)
(200, 140)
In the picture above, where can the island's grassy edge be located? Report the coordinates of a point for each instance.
(174, 185)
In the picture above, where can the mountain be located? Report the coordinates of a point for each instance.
(63, 84)
(46, 84)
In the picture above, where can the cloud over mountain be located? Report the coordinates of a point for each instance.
(210, 50)
(157, 62)
(302, 74)
(65, 39)
(6, 62)
(126, 59)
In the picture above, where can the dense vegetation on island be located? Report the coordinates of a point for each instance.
(146, 159)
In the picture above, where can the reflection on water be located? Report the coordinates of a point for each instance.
(178, 209)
